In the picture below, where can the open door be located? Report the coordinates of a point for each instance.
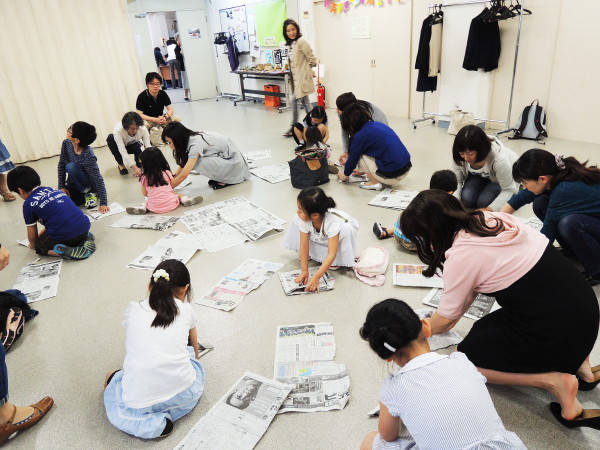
(197, 47)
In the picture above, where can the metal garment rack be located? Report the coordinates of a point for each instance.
(512, 86)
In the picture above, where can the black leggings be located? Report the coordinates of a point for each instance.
(134, 149)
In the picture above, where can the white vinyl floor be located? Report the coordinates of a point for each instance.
(78, 335)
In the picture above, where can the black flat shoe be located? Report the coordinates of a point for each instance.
(219, 186)
(212, 182)
(592, 420)
(587, 385)
(380, 232)
(123, 171)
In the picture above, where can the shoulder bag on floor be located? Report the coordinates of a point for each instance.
(309, 168)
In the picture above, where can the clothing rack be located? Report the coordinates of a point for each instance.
(512, 86)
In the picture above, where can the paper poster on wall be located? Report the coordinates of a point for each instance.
(233, 23)
(277, 57)
(269, 57)
(254, 50)
(251, 24)
(361, 28)
(194, 33)
(269, 23)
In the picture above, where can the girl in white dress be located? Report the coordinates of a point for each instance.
(322, 233)
(434, 401)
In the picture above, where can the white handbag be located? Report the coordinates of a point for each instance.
(459, 119)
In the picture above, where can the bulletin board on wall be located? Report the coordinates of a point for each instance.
(269, 22)
(234, 22)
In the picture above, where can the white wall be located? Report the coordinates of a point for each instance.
(348, 61)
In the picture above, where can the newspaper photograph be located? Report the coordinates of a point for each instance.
(533, 222)
(231, 222)
(304, 357)
(290, 287)
(146, 222)
(482, 306)
(232, 289)
(439, 341)
(95, 214)
(175, 245)
(39, 281)
(393, 198)
(411, 275)
(257, 155)
(273, 174)
(240, 418)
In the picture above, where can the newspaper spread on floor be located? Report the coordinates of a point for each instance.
(231, 222)
(273, 174)
(95, 214)
(533, 222)
(304, 357)
(231, 289)
(240, 417)
(175, 245)
(39, 281)
(482, 306)
(290, 287)
(146, 222)
(393, 198)
(411, 275)
(443, 340)
(257, 155)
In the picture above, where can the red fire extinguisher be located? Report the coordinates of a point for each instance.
(320, 90)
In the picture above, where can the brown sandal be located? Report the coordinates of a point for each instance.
(40, 409)
(7, 196)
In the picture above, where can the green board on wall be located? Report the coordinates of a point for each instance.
(269, 23)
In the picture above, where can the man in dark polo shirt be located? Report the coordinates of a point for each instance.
(151, 104)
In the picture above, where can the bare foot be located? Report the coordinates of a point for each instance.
(23, 412)
(585, 371)
(109, 375)
(564, 387)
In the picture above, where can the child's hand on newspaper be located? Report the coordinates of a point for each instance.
(302, 278)
(313, 284)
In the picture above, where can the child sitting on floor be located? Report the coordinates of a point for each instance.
(444, 180)
(162, 379)
(317, 118)
(314, 141)
(321, 233)
(156, 185)
(77, 160)
(66, 228)
(434, 401)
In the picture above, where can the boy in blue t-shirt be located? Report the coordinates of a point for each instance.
(66, 228)
(444, 180)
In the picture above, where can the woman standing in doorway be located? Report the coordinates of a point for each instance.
(301, 60)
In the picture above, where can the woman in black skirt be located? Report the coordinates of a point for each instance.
(548, 324)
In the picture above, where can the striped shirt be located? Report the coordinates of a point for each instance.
(444, 403)
(88, 161)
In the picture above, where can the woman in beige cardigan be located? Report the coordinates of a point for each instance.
(302, 60)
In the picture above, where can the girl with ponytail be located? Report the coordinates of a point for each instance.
(442, 400)
(566, 198)
(161, 380)
(321, 233)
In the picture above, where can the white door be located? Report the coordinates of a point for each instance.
(198, 53)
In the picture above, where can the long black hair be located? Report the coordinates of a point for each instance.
(432, 220)
(164, 288)
(287, 22)
(537, 162)
(314, 200)
(390, 322)
(180, 135)
(154, 164)
(348, 98)
(473, 138)
(354, 117)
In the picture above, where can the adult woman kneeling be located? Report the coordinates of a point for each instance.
(211, 154)
(375, 148)
(483, 167)
(548, 324)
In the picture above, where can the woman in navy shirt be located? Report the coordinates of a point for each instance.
(566, 197)
(374, 147)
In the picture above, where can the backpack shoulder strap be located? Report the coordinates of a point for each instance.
(523, 124)
(538, 124)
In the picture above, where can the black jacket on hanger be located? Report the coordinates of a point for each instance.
(232, 53)
(483, 45)
(424, 81)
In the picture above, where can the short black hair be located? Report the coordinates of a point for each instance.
(85, 132)
(150, 76)
(131, 118)
(23, 177)
(471, 137)
(444, 180)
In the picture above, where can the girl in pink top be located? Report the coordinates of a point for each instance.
(156, 185)
(548, 322)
